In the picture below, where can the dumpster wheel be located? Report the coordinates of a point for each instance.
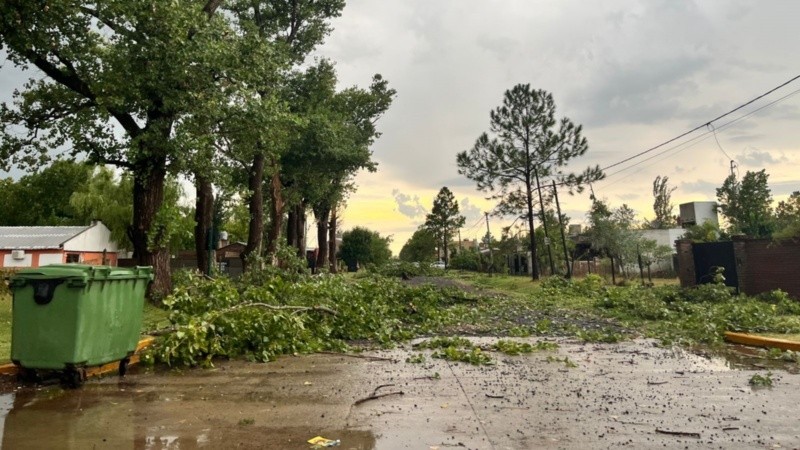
(27, 375)
(123, 366)
(74, 377)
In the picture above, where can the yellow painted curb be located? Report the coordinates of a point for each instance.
(11, 369)
(760, 341)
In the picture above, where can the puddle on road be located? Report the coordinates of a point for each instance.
(109, 415)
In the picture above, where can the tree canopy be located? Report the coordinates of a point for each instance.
(662, 204)
(747, 204)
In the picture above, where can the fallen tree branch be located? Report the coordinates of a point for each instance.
(375, 397)
(318, 308)
(679, 433)
(656, 383)
(494, 396)
(215, 314)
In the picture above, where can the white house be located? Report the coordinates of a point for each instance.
(39, 246)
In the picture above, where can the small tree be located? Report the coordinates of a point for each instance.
(662, 204)
(420, 247)
(362, 246)
(747, 204)
(444, 219)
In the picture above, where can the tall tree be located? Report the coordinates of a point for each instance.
(296, 27)
(527, 141)
(119, 79)
(444, 219)
(333, 143)
(747, 205)
(662, 203)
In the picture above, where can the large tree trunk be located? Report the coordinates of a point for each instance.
(323, 216)
(332, 241)
(275, 211)
(255, 232)
(148, 196)
(296, 228)
(203, 217)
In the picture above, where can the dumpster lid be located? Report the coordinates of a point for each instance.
(84, 271)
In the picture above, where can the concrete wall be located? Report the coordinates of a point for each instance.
(95, 239)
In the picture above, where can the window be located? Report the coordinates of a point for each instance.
(73, 257)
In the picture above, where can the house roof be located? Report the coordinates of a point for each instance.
(37, 238)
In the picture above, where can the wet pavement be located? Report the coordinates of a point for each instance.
(627, 395)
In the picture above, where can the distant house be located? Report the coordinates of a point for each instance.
(38, 246)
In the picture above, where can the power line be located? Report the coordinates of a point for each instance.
(697, 139)
(703, 125)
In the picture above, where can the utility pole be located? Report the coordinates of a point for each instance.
(563, 237)
(544, 222)
(489, 244)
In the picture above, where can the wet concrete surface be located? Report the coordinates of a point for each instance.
(616, 396)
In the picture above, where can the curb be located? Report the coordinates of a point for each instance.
(760, 341)
(12, 369)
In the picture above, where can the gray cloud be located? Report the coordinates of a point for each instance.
(757, 158)
(408, 205)
(707, 188)
(470, 211)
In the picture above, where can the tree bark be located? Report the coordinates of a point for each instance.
(203, 217)
(148, 196)
(275, 211)
(255, 232)
(332, 241)
(323, 216)
(296, 228)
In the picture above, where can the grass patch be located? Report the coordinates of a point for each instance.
(5, 328)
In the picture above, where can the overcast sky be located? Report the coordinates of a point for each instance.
(633, 73)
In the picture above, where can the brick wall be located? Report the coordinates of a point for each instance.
(762, 265)
(765, 265)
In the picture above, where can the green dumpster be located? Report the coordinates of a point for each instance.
(71, 316)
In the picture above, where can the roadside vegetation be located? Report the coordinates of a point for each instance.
(272, 312)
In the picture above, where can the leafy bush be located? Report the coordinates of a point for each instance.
(405, 270)
(466, 260)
